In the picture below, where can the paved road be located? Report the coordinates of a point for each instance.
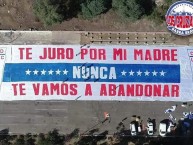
(41, 116)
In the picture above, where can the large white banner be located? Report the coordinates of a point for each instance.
(100, 72)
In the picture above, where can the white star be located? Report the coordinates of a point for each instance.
(65, 72)
(35, 72)
(28, 72)
(43, 72)
(154, 73)
(50, 72)
(123, 73)
(131, 73)
(162, 73)
(139, 73)
(146, 73)
(58, 72)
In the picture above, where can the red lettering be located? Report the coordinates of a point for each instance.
(102, 54)
(112, 89)
(64, 89)
(93, 54)
(148, 55)
(20, 87)
(166, 54)
(69, 53)
(130, 90)
(174, 54)
(60, 53)
(166, 92)
(45, 90)
(157, 54)
(73, 88)
(157, 90)
(121, 91)
(172, 21)
(36, 88)
(21, 51)
(28, 53)
(139, 90)
(83, 52)
(138, 53)
(148, 90)
(179, 21)
(103, 90)
(54, 88)
(175, 91)
(186, 20)
(15, 89)
(51, 53)
(88, 90)
(121, 53)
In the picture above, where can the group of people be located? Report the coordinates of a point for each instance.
(173, 108)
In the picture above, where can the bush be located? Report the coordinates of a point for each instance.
(48, 11)
(53, 138)
(92, 8)
(20, 140)
(129, 9)
(158, 15)
(159, 12)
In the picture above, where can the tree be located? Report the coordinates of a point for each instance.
(42, 140)
(159, 11)
(20, 140)
(53, 138)
(29, 140)
(92, 8)
(129, 9)
(49, 11)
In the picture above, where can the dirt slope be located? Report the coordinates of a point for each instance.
(18, 15)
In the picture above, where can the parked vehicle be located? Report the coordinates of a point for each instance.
(165, 127)
(150, 127)
(162, 129)
(133, 128)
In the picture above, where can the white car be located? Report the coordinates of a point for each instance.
(162, 129)
(150, 128)
(133, 129)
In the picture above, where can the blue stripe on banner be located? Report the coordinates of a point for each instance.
(77, 72)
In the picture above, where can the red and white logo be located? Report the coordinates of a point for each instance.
(179, 18)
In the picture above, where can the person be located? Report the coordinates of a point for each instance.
(191, 116)
(186, 105)
(149, 120)
(107, 116)
(186, 114)
(172, 118)
(172, 109)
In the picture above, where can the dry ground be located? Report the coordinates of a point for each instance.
(18, 15)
